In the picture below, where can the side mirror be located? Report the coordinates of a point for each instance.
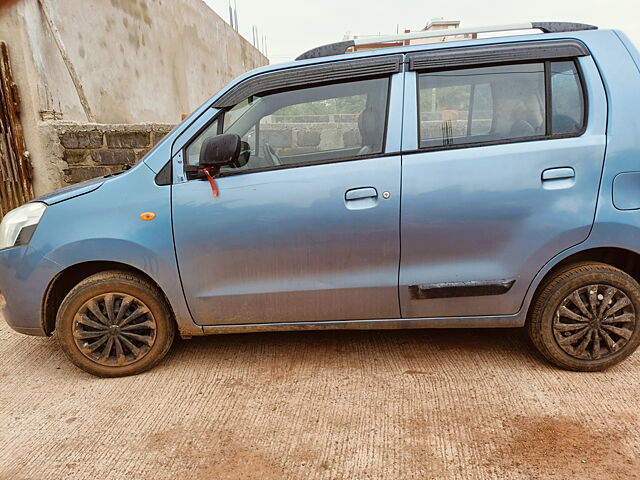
(245, 154)
(220, 151)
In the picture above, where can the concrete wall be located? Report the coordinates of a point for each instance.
(93, 150)
(298, 134)
(138, 61)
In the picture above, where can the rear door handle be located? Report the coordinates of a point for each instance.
(360, 193)
(558, 173)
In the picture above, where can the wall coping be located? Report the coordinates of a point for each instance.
(62, 127)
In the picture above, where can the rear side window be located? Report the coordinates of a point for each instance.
(567, 99)
(499, 103)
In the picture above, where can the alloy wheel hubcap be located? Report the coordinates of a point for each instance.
(594, 322)
(114, 329)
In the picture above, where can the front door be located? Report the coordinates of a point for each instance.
(305, 231)
(505, 177)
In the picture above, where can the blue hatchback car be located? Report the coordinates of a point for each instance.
(479, 183)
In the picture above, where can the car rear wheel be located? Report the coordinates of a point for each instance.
(115, 324)
(585, 317)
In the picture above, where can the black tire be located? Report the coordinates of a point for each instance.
(558, 325)
(137, 336)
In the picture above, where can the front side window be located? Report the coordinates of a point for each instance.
(316, 124)
(500, 103)
(193, 151)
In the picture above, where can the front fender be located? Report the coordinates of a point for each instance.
(105, 225)
(136, 256)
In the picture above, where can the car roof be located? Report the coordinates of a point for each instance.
(395, 50)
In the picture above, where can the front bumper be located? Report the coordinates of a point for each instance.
(24, 277)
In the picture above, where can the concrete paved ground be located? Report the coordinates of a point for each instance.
(441, 404)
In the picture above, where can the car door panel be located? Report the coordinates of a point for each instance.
(297, 243)
(285, 246)
(491, 221)
(477, 223)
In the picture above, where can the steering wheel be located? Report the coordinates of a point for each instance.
(271, 155)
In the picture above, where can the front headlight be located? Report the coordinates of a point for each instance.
(18, 225)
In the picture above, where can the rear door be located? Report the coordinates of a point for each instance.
(505, 175)
(305, 231)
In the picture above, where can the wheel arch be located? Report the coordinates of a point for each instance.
(624, 259)
(68, 278)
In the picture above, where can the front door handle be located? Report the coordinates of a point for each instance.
(558, 173)
(360, 193)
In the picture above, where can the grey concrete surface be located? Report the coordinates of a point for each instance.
(440, 404)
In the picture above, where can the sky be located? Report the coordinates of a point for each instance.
(294, 26)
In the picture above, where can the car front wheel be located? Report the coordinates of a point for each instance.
(115, 324)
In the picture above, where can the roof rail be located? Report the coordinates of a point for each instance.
(338, 48)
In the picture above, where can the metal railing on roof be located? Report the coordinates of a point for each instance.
(338, 48)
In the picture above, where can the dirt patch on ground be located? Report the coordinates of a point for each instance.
(441, 404)
(552, 447)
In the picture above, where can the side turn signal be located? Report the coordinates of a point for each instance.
(146, 216)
